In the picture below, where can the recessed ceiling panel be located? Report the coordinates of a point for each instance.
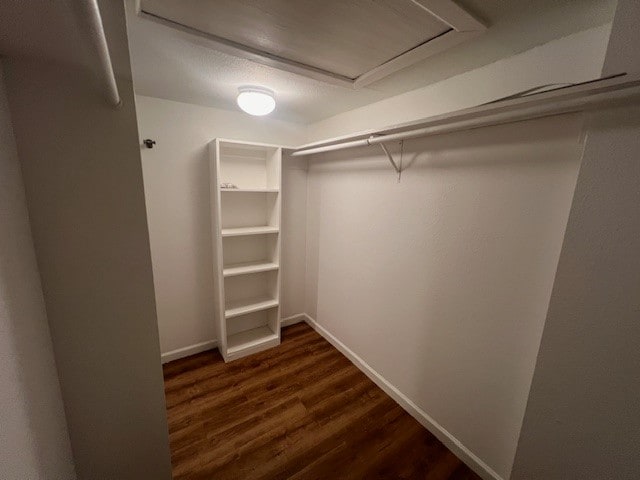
(346, 39)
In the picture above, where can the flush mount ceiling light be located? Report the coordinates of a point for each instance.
(257, 101)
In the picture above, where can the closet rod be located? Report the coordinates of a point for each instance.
(91, 23)
(598, 94)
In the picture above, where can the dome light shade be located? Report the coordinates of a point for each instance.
(257, 101)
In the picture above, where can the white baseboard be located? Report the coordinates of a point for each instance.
(190, 350)
(416, 412)
(293, 319)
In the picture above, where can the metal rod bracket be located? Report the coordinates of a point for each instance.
(393, 163)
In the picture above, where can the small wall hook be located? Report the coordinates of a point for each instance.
(149, 143)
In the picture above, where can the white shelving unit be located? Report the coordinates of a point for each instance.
(246, 245)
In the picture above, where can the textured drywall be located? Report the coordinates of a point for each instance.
(176, 177)
(440, 282)
(294, 235)
(582, 419)
(34, 443)
(83, 181)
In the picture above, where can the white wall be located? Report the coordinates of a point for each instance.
(582, 419)
(441, 282)
(34, 442)
(574, 58)
(294, 235)
(176, 172)
(176, 177)
(83, 182)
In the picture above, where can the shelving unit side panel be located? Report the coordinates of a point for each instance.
(216, 240)
(274, 322)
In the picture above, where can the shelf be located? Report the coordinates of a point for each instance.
(250, 190)
(248, 267)
(237, 308)
(235, 232)
(250, 338)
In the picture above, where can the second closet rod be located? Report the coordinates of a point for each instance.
(593, 95)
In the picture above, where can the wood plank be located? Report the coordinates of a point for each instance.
(297, 411)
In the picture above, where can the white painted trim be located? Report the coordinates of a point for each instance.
(187, 351)
(242, 143)
(451, 442)
(452, 14)
(293, 319)
(464, 27)
(425, 50)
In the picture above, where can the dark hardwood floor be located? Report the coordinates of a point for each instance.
(297, 411)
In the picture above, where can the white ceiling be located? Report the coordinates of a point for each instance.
(345, 38)
(174, 65)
